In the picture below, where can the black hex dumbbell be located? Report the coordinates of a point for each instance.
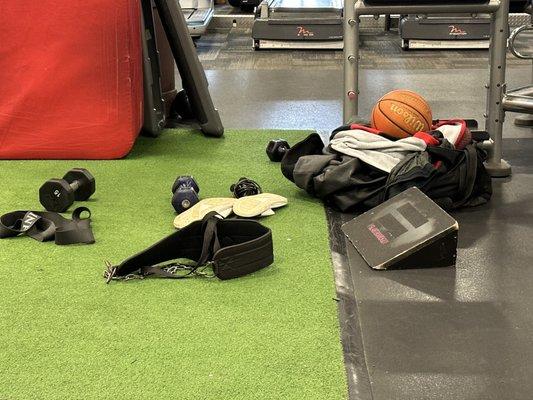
(185, 191)
(58, 194)
(276, 149)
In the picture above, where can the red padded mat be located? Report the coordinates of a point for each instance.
(70, 79)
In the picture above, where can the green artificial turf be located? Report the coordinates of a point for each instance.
(65, 334)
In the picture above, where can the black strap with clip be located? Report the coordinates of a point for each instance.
(232, 248)
(45, 226)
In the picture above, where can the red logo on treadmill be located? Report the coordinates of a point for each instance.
(374, 230)
(303, 32)
(456, 31)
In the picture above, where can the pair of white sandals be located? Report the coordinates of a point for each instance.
(245, 207)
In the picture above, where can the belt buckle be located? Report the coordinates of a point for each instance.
(109, 272)
(200, 271)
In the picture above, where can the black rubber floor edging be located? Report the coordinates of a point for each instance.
(359, 387)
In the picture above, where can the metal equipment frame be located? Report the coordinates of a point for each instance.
(525, 94)
(154, 104)
(191, 70)
(496, 96)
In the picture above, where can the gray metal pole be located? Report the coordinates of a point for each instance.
(526, 119)
(351, 62)
(495, 114)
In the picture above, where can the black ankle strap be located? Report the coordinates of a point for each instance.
(46, 226)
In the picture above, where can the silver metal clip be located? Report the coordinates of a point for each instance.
(200, 271)
(109, 272)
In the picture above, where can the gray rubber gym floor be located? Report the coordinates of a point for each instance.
(453, 333)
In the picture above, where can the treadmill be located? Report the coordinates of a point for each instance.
(198, 14)
(453, 31)
(298, 24)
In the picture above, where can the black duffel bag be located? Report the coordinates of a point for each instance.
(459, 178)
(452, 178)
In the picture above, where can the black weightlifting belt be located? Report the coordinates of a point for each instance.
(45, 226)
(232, 248)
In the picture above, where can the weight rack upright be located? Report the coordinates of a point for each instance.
(496, 96)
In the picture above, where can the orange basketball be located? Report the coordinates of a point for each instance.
(402, 113)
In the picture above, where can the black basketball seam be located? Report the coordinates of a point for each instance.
(410, 106)
(392, 122)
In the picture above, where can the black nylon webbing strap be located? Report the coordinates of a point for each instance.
(46, 226)
(232, 247)
(468, 175)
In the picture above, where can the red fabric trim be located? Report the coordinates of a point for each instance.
(464, 129)
(365, 128)
(450, 122)
(427, 138)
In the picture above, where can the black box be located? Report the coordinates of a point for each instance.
(407, 231)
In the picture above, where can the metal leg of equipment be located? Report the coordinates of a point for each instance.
(499, 10)
(495, 115)
(351, 61)
(525, 120)
(191, 71)
(154, 105)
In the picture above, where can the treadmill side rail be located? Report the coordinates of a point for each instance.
(198, 14)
